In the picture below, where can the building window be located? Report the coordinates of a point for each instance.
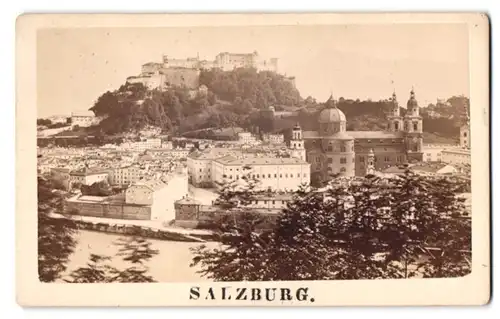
(200, 169)
(275, 175)
(237, 176)
(343, 160)
(465, 134)
(305, 175)
(274, 202)
(415, 126)
(361, 159)
(281, 175)
(317, 159)
(268, 175)
(330, 148)
(342, 148)
(258, 176)
(396, 126)
(375, 159)
(330, 160)
(387, 159)
(342, 169)
(286, 175)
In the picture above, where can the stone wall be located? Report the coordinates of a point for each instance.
(207, 217)
(147, 232)
(188, 78)
(118, 211)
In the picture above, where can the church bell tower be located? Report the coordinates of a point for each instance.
(395, 122)
(297, 149)
(413, 128)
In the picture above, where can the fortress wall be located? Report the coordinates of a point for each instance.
(189, 78)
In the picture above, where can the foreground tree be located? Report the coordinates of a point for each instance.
(55, 235)
(359, 228)
(135, 251)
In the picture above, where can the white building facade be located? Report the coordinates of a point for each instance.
(276, 174)
(433, 152)
(159, 195)
(456, 156)
(246, 138)
(83, 119)
(125, 175)
(147, 144)
(199, 164)
(274, 138)
(87, 177)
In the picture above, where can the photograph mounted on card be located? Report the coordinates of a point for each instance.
(253, 159)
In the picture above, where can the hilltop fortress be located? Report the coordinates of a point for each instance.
(186, 72)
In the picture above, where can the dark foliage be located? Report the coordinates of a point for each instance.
(134, 250)
(101, 188)
(55, 235)
(249, 88)
(232, 97)
(44, 122)
(362, 228)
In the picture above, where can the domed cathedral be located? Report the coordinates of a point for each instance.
(330, 150)
(334, 150)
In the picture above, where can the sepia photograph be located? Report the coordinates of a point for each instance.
(299, 152)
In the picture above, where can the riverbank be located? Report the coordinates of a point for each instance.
(147, 229)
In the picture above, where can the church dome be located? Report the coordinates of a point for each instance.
(331, 114)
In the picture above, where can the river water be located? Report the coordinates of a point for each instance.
(170, 265)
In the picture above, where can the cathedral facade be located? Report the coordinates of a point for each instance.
(333, 150)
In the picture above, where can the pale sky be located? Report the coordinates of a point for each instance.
(75, 66)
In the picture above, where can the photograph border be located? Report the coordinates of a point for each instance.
(473, 289)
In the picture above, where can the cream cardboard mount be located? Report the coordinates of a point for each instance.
(253, 159)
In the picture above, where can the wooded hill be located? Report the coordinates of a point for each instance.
(237, 98)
